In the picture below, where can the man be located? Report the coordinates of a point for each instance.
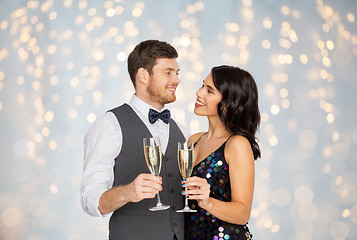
(116, 181)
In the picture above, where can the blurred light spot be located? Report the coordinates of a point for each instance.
(275, 228)
(247, 13)
(230, 41)
(339, 230)
(308, 212)
(282, 197)
(110, 12)
(262, 206)
(45, 131)
(72, 113)
(199, 6)
(52, 145)
(266, 44)
(121, 56)
(307, 138)
(198, 66)
(330, 118)
(274, 109)
(119, 10)
(53, 189)
(247, 3)
(38, 137)
(326, 62)
(185, 41)
(327, 151)
(191, 9)
(49, 116)
(254, 212)
(55, 98)
(11, 217)
(38, 207)
(285, 103)
(264, 117)
(304, 59)
(137, 12)
(285, 10)
(304, 195)
(232, 27)
(346, 213)
(335, 136)
(92, 11)
(97, 54)
(78, 100)
(284, 93)
(82, 4)
(273, 141)
(338, 180)
(354, 214)
(350, 17)
(52, 15)
(327, 168)
(330, 45)
(67, 3)
(91, 118)
(270, 90)
(3, 25)
(267, 22)
(194, 126)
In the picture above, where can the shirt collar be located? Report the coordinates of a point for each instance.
(141, 106)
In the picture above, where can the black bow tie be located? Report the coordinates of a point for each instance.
(164, 116)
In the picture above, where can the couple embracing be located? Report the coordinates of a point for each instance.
(117, 184)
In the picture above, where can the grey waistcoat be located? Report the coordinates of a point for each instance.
(135, 220)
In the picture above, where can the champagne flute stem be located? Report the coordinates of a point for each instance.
(158, 199)
(186, 198)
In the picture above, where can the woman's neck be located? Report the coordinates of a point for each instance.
(216, 128)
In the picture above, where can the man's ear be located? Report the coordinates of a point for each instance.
(142, 75)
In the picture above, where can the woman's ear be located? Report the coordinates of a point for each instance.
(224, 110)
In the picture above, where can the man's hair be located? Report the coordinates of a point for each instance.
(145, 55)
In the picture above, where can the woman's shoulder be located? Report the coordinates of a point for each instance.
(194, 138)
(238, 145)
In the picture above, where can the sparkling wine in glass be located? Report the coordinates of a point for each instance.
(153, 157)
(185, 163)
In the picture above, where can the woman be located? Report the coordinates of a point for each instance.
(222, 181)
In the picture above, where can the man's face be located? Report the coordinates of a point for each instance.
(163, 81)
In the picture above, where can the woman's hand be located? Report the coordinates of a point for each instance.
(198, 189)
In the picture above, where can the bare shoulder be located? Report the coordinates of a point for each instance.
(195, 137)
(237, 148)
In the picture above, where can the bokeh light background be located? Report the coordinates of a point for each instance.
(63, 64)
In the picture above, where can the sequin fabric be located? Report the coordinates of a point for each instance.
(203, 225)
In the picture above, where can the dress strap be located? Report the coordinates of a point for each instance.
(194, 145)
(228, 138)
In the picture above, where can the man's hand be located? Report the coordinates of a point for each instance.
(144, 186)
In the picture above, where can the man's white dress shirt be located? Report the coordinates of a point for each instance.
(102, 144)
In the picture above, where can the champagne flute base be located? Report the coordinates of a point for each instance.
(159, 208)
(186, 209)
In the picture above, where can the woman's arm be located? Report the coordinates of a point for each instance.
(240, 158)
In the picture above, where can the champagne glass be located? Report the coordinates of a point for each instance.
(185, 162)
(153, 157)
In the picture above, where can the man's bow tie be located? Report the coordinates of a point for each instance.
(164, 116)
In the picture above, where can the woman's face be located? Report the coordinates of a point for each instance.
(208, 98)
